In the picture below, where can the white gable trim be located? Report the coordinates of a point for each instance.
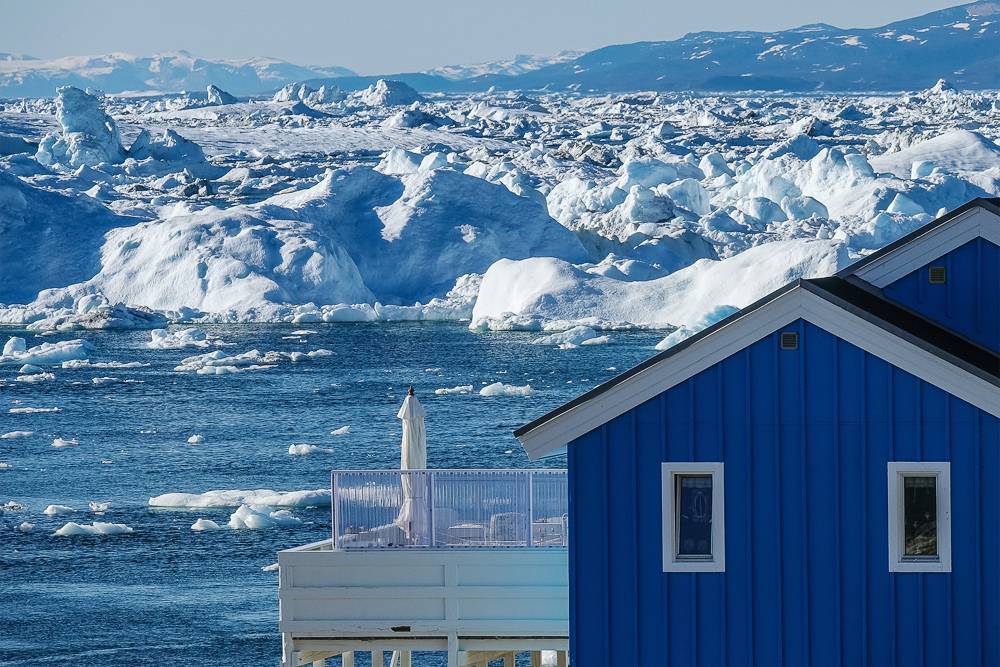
(976, 222)
(795, 304)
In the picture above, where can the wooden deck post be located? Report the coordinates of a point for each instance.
(405, 659)
(561, 659)
(536, 659)
(378, 659)
(347, 659)
(508, 659)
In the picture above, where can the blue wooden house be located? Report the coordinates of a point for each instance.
(814, 481)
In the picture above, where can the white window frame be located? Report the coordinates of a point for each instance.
(669, 474)
(897, 471)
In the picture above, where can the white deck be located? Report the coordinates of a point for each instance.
(472, 603)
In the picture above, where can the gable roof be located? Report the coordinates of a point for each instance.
(843, 305)
(979, 217)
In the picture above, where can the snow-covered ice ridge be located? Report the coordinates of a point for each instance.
(539, 211)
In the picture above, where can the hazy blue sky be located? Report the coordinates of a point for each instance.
(381, 36)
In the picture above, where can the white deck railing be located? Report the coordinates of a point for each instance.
(449, 509)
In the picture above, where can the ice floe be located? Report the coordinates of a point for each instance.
(205, 524)
(448, 391)
(46, 354)
(162, 339)
(304, 449)
(501, 389)
(55, 510)
(13, 435)
(73, 529)
(59, 443)
(196, 439)
(235, 498)
(343, 430)
(255, 517)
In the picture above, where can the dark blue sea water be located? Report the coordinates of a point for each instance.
(166, 596)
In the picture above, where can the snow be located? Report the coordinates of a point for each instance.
(205, 524)
(955, 150)
(235, 498)
(73, 529)
(501, 389)
(255, 517)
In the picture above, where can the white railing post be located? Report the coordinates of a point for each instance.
(333, 510)
(430, 508)
(531, 507)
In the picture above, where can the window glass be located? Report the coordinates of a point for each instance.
(694, 516)
(920, 516)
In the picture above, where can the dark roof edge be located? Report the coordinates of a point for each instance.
(820, 291)
(991, 204)
(655, 359)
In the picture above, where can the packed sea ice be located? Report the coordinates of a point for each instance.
(539, 211)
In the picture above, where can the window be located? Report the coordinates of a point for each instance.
(919, 517)
(694, 537)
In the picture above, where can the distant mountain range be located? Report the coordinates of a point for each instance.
(25, 76)
(960, 44)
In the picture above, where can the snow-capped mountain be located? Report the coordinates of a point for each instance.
(25, 76)
(960, 44)
(519, 64)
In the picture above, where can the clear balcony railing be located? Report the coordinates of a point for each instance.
(449, 509)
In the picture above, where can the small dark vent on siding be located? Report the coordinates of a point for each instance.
(937, 275)
(789, 340)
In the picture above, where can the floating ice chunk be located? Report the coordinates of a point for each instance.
(196, 439)
(13, 435)
(26, 527)
(88, 137)
(448, 391)
(76, 364)
(73, 529)
(273, 567)
(46, 353)
(205, 524)
(5, 466)
(59, 443)
(29, 369)
(235, 498)
(14, 346)
(35, 377)
(255, 517)
(161, 339)
(708, 319)
(99, 507)
(343, 430)
(304, 449)
(501, 389)
(104, 381)
(31, 411)
(55, 510)
(575, 336)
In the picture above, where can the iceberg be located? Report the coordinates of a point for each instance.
(88, 135)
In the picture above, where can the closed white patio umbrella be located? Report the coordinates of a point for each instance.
(414, 516)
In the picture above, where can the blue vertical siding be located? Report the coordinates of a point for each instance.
(805, 436)
(969, 302)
